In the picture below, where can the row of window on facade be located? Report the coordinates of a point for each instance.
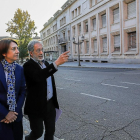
(131, 12)
(94, 2)
(65, 37)
(51, 41)
(63, 21)
(54, 28)
(52, 49)
(76, 12)
(116, 43)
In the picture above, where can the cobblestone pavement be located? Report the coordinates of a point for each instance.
(26, 130)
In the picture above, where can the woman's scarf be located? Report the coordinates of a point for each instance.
(10, 69)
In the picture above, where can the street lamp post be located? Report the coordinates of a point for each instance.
(78, 43)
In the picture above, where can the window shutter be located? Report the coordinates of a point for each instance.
(116, 15)
(117, 43)
(95, 45)
(104, 20)
(132, 41)
(104, 44)
(131, 9)
(94, 24)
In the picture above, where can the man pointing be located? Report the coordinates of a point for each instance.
(41, 98)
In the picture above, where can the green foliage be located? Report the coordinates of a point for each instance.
(24, 28)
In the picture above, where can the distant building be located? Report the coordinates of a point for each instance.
(111, 29)
(37, 38)
(4, 37)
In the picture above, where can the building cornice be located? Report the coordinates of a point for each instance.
(67, 4)
(56, 32)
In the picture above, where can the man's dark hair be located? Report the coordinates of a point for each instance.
(4, 46)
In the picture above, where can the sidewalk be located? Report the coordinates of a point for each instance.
(101, 65)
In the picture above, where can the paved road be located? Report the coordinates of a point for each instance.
(98, 104)
(26, 130)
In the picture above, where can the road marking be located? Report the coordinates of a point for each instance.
(59, 88)
(97, 97)
(72, 79)
(131, 83)
(113, 85)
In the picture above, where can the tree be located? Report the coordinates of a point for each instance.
(24, 28)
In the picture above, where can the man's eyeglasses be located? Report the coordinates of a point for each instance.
(39, 50)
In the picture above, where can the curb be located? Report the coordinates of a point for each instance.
(100, 67)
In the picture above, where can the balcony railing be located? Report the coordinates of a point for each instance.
(64, 40)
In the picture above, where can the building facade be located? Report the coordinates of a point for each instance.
(110, 27)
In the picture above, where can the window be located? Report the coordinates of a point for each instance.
(60, 23)
(117, 43)
(132, 41)
(131, 9)
(53, 40)
(79, 27)
(44, 34)
(55, 27)
(72, 14)
(116, 15)
(86, 26)
(48, 31)
(79, 10)
(64, 20)
(103, 20)
(87, 46)
(98, 1)
(75, 12)
(56, 39)
(48, 42)
(104, 40)
(74, 31)
(92, 2)
(68, 35)
(64, 36)
(95, 45)
(94, 23)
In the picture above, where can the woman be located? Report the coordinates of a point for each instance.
(12, 91)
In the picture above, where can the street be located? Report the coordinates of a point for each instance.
(98, 104)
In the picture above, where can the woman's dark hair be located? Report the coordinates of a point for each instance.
(4, 46)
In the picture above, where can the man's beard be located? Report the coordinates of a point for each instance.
(37, 58)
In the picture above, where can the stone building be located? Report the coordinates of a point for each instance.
(110, 27)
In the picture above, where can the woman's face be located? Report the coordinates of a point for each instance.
(12, 53)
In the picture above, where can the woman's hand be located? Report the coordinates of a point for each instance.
(11, 117)
(5, 121)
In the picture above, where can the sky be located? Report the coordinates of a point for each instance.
(39, 10)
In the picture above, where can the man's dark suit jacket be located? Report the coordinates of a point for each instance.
(36, 100)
